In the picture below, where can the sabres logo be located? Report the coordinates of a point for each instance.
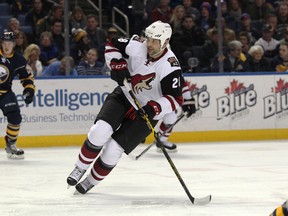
(3, 74)
(140, 82)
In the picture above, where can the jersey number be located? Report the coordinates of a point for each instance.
(176, 83)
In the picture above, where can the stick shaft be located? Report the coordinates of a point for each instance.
(160, 143)
(152, 144)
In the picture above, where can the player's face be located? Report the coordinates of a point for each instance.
(7, 47)
(153, 47)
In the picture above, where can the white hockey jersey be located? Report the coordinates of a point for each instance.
(151, 79)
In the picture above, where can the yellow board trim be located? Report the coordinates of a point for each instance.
(178, 137)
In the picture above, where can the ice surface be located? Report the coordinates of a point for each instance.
(244, 179)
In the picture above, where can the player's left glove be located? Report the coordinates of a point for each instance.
(119, 70)
(189, 107)
(28, 94)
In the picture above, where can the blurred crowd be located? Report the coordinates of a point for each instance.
(254, 34)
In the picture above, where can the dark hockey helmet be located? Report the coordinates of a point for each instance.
(8, 36)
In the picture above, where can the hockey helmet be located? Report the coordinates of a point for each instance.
(159, 30)
(8, 36)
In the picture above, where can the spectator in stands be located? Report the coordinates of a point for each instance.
(79, 45)
(95, 34)
(58, 68)
(190, 10)
(111, 33)
(259, 10)
(182, 41)
(20, 42)
(150, 5)
(244, 38)
(162, 12)
(44, 24)
(206, 20)
(235, 10)
(209, 50)
(176, 19)
(78, 18)
(19, 7)
(268, 43)
(49, 51)
(58, 37)
(272, 20)
(35, 14)
(285, 35)
(139, 16)
(280, 62)
(228, 34)
(256, 60)
(13, 25)
(245, 25)
(31, 54)
(90, 66)
(233, 59)
(282, 14)
(230, 20)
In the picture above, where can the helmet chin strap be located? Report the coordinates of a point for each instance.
(160, 52)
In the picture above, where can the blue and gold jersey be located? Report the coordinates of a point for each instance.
(11, 66)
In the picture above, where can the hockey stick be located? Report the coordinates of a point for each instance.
(152, 144)
(198, 201)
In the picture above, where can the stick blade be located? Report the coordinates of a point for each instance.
(203, 200)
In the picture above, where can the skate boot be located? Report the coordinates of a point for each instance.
(169, 146)
(12, 151)
(84, 186)
(75, 176)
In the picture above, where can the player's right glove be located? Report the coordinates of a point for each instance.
(119, 70)
(189, 107)
(28, 94)
(151, 109)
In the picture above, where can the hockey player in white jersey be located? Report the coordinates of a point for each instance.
(155, 77)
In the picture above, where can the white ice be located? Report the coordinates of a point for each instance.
(244, 179)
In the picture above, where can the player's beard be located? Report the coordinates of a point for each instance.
(154, 53)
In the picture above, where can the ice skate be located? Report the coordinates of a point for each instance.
(84, 186)
(169, 146)
(12, 151)
(75, 176)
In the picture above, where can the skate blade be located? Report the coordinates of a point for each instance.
(15, 157)
(168, 150)
(77, 193)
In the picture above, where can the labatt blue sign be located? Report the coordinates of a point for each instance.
(237, 100)
(277, 102)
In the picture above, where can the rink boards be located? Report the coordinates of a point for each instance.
(230, 107)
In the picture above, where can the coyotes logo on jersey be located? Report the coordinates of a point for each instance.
(140, 82)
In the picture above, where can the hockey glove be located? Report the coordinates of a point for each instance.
(28, 94)
(119, 70)
(151, 109)
(189, 107)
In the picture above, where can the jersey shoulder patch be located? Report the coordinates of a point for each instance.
(173, 62)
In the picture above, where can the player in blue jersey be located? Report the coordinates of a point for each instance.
(13, 64)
